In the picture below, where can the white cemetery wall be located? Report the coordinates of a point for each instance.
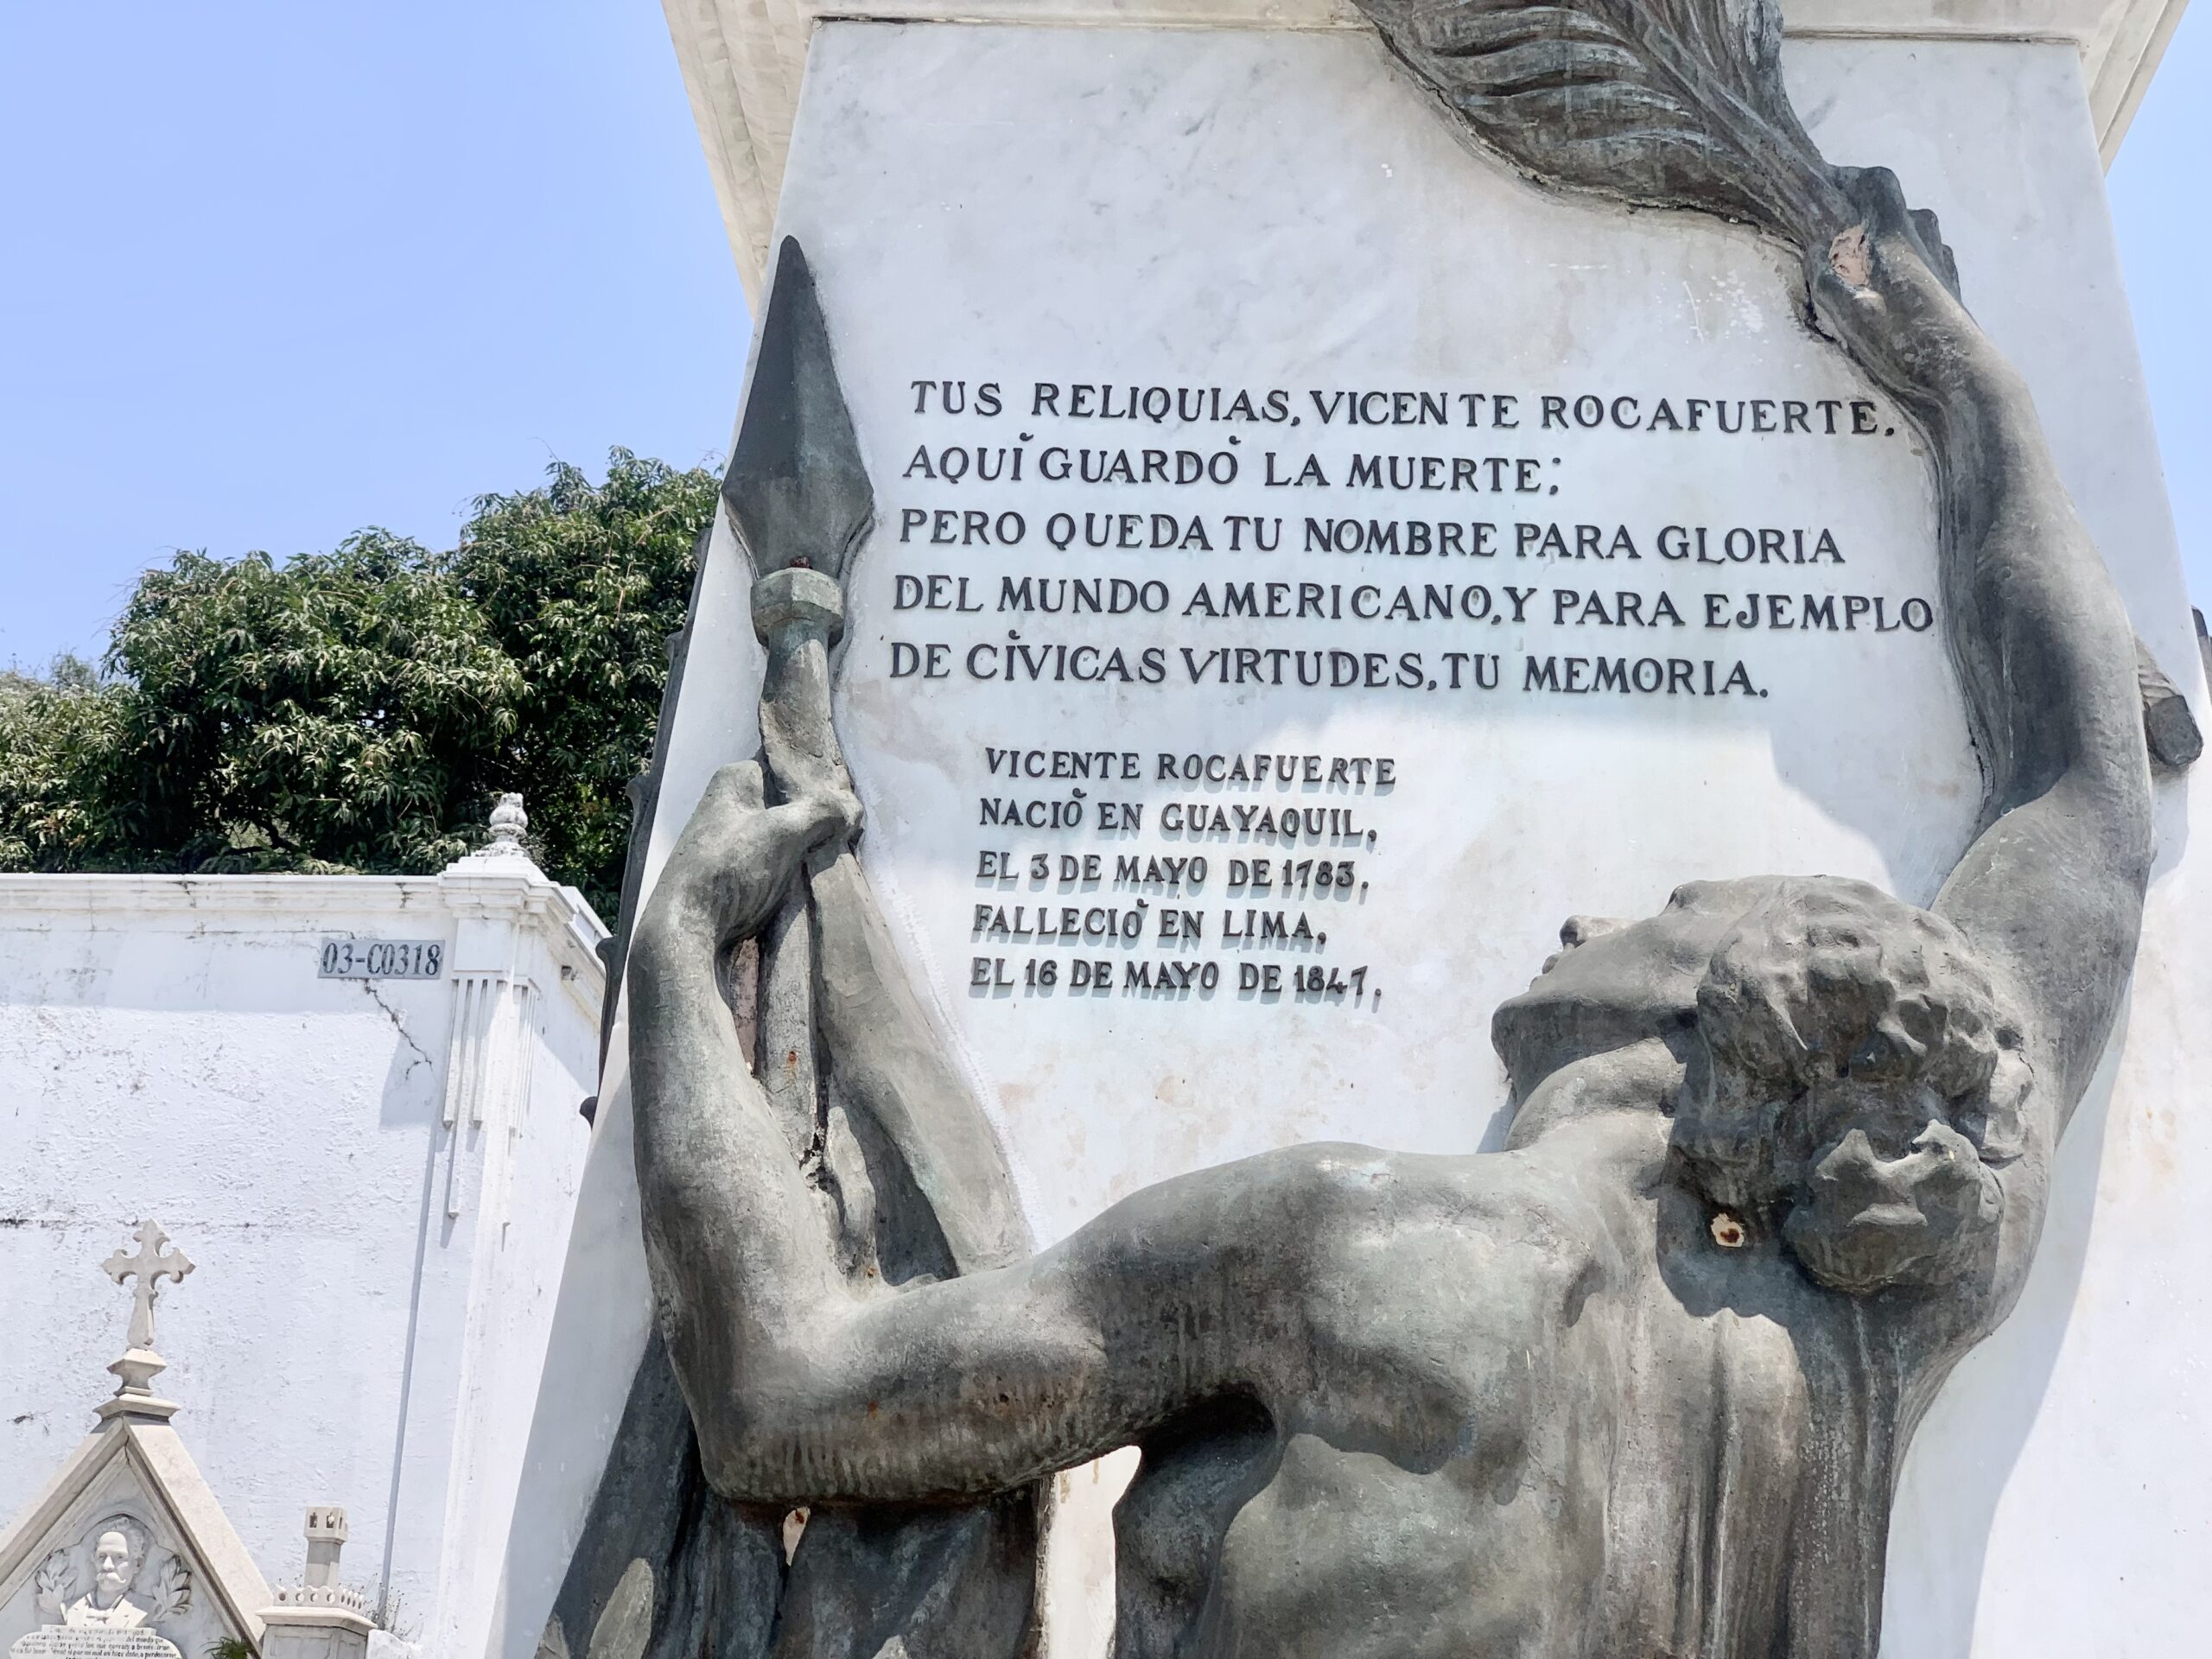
(367, 1318)
(1282, 211)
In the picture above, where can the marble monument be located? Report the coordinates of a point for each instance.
(1231, 537)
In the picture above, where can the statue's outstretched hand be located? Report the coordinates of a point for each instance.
(737, 857)
(1887, 290)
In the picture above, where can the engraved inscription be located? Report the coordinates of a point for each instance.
(56, 1642)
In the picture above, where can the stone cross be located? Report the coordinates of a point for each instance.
(155, 1262)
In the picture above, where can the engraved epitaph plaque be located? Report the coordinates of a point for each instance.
(58, 1642)
(1285, 606)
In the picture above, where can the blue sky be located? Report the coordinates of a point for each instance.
(277, 270)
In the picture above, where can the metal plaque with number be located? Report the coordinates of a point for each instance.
(382, 958)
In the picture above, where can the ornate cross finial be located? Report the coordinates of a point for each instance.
(155, 1262)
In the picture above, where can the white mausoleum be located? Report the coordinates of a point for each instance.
(373, 1177)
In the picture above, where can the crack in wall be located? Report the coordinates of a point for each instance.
(399, 1018)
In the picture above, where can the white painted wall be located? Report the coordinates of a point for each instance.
(367, 1320)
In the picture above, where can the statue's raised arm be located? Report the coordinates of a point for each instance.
(2050, 892)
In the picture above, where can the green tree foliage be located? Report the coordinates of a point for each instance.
(340, 711)
(582, 587)
(360, 709)
(57, 733)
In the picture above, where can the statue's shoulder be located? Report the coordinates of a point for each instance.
(1616, 982)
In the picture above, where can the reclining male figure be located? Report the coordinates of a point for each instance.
(1637, 1384)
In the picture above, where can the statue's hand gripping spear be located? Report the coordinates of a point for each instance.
(844, 1046)
(800, 500)
(840, 1027)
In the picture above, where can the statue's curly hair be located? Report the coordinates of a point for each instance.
(1829, 978)
(1826, 981)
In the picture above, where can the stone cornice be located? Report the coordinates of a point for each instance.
(214, 895)
(521, 894)
(742, 60)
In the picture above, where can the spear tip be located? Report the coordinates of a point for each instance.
(796, 489)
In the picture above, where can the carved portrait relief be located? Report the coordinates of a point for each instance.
(116, 1578)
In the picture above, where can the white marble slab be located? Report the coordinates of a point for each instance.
(1283, 214)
